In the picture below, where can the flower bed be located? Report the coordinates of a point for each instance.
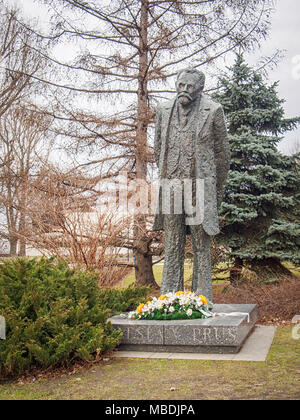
(173, 306)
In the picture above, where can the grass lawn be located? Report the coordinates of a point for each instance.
(129, 379)
(158, 271)
(294, 269)
(188, 271)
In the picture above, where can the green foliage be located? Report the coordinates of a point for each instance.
(122, 300)
(55, 315)
(160, 315)
(261, 208)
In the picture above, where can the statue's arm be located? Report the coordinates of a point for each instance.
(157, 136)
(222, 152)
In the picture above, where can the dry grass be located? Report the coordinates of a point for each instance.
(153, 379)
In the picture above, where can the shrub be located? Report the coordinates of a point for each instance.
(123, 300)
(54, 315)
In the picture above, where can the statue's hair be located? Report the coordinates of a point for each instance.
(198, 73)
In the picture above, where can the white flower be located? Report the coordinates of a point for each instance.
(158, 305)
(189, 312)
(185, 300)
(171, 299)
(199, 303)
(131, 315)
(147, 308)
(171, 309)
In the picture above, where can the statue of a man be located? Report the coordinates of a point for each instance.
(191, 143)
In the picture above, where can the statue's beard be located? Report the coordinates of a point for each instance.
(185, 98)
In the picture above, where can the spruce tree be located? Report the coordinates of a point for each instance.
(261, 209)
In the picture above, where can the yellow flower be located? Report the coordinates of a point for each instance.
(162, 297)
(203, 298)
(139, 308)
(179, 293)
(149, 302)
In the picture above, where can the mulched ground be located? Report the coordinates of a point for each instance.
(277, 303)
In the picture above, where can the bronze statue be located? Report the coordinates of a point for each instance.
(190, 143)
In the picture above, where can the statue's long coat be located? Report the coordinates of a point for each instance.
(212, 156)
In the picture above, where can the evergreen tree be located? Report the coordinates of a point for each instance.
(261, 205)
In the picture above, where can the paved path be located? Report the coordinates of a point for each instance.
(255, 349)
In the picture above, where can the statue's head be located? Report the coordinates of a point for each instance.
(189, 85)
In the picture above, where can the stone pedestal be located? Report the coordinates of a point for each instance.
(220, 334)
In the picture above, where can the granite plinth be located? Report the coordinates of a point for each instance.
(220, 334)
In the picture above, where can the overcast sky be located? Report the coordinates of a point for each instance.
(285, 35)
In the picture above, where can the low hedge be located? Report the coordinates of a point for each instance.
(122, 300)
(55, 315)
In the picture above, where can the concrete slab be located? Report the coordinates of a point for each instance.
(223, 333)
(255, 349)
(296, 319)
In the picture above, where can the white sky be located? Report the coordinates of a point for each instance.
(285, 35)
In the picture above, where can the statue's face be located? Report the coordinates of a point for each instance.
(188, 88)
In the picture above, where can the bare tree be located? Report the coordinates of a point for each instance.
(23, 148)
(131, 49)
(65, 222)
(18, 60)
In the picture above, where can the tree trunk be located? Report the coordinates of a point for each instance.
(13, 243)
(144, 277)
(236, 271)
(22, 251)
(269, 269)
(143, 260)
